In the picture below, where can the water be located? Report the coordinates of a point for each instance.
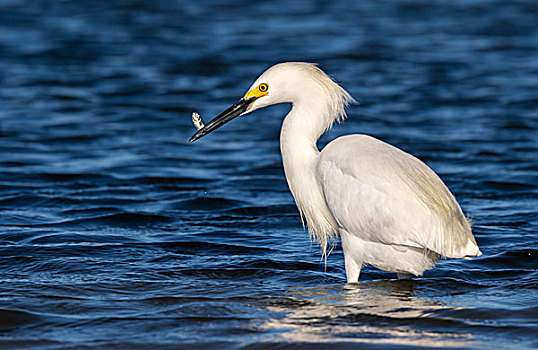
(116, 233)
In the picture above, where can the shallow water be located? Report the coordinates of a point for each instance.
(116, 233)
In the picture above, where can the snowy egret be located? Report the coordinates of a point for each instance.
(390, 209)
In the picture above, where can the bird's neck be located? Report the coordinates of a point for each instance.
(298, 138)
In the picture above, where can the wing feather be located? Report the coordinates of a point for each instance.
(382, 194)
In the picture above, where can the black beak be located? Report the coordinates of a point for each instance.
(234, 111)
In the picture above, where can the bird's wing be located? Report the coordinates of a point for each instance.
(382, 194)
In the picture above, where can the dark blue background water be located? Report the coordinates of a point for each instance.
(116, 233)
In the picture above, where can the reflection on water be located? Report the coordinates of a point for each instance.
(375, 312)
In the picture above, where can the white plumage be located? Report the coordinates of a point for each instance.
(390, 209)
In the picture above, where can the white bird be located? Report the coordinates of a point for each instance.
(389, 208)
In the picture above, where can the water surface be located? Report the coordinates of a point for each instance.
(116, 233)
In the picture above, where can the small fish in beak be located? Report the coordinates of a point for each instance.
(232, 112)
(197, 120)
(237, 109)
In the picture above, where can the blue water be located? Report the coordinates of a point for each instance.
(115, 233)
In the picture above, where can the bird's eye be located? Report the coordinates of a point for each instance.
(263, 87)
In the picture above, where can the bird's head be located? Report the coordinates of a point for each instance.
(290, 82)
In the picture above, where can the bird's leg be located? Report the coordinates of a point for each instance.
(353, 269)
(404, 276)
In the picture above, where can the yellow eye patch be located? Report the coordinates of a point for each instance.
(259, 91)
